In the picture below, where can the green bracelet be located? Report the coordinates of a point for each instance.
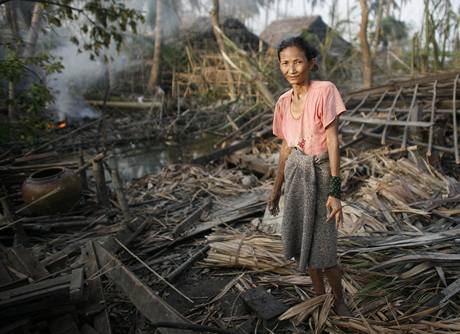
(335, 187)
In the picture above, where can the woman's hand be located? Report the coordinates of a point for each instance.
(334, 206)
(273, 202)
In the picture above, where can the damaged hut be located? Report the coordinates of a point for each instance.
(312, 28)
(420, 111)
(206, 73)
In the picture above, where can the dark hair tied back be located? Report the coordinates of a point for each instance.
(297, 41)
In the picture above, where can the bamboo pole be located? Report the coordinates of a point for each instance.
(374, 109)
(101, 186)
(83, 178)
(20, 237)
(390, 112)
(409, 116)
(119, 191)
(355, 109)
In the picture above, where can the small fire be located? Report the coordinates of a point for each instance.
(58, 125)
(62, 124)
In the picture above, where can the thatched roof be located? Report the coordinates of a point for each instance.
(278, 30)
(200, 33)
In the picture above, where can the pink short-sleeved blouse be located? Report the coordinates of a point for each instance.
(308, 133)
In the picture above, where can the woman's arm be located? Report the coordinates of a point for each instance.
(279, 179)
(284, 153)
(332, 137)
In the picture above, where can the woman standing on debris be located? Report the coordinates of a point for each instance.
(305, 119)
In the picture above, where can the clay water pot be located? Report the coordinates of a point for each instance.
(63, 181)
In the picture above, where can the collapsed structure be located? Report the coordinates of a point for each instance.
(419, 111)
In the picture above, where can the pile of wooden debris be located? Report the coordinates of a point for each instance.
(399, 253)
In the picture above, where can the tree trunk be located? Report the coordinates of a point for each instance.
(445, 33)
(365, 50)
(32, 35)
(378, 23)
(11, 16)
(153, 80)
(215, 23)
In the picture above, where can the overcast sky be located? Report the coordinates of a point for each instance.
(412, 13)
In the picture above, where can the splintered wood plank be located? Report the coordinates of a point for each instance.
(35, 287)
(51, 295)
(76, 285)
(126, 235)
(191, 219)
(237, 208)
(56, 261)
(24, 261)
(14, 284)
(146, 301)
(101, 320)
(263, 304)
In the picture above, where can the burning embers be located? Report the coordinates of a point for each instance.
(58, 125)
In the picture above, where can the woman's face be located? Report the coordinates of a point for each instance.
(294, 65)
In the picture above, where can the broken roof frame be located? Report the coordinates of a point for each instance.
(414, 105)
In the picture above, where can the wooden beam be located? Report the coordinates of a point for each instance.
(373, 110)
(398, 140)
(409, 117)
(406, 83)
(223, 152)
(101, 320)
(146, 301)
(390, 112)
(365, 120)
(191, 219)
(355, 109)
(101, 187)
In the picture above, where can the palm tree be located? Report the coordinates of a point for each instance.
(367, 50)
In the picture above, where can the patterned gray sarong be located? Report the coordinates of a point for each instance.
(306, 235)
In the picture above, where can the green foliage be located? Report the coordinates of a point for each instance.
(102, 22)
(392, 30)
(33, 99)
(311, 39)
(11, 68)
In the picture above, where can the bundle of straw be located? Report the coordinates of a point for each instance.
(256, 252)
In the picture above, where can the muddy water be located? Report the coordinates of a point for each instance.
(142, 158)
